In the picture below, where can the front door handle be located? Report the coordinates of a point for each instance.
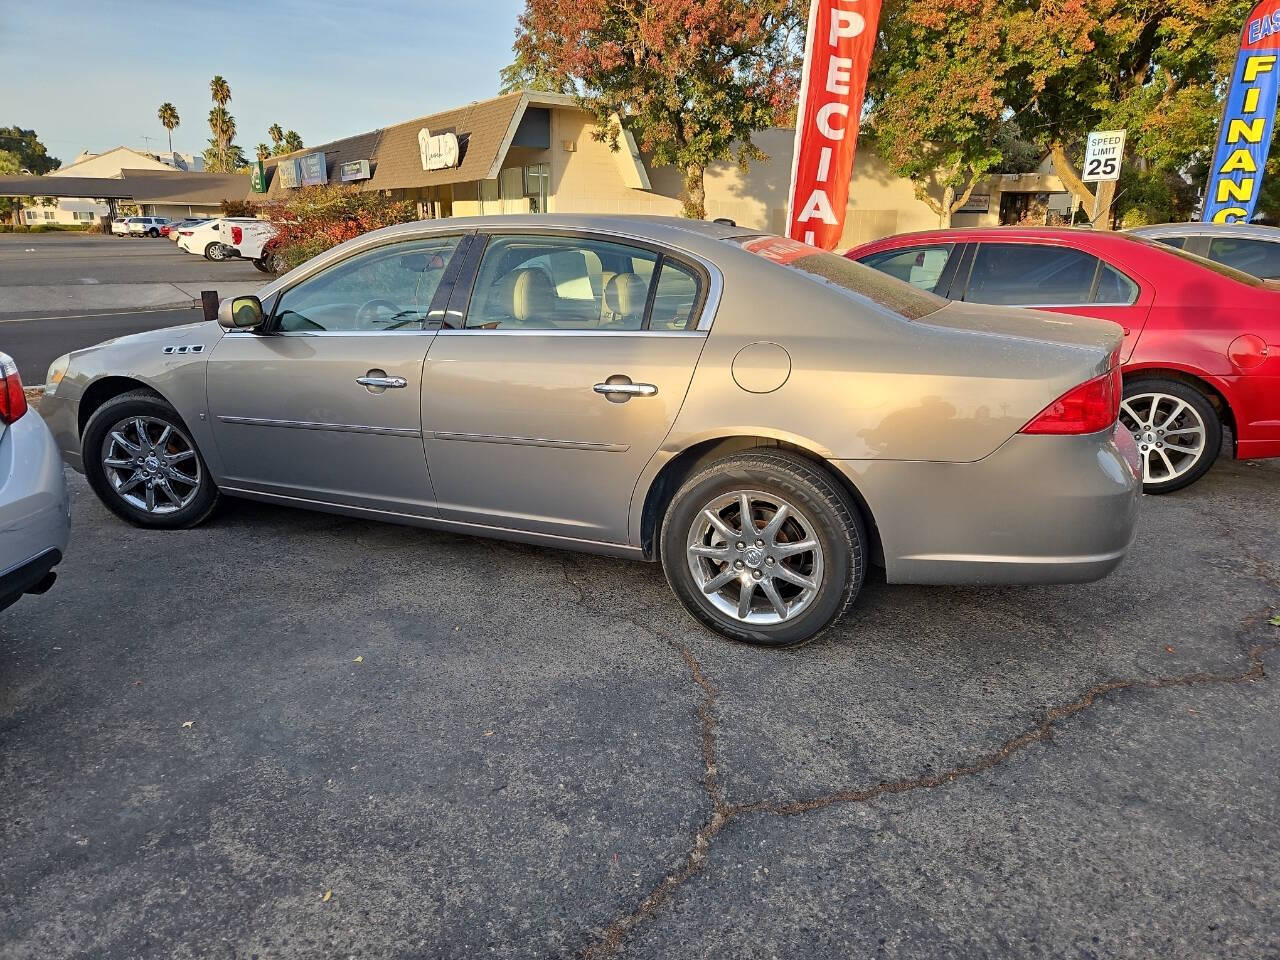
(384, 382)
(626, 389)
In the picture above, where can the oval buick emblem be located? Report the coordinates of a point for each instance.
(754, 556)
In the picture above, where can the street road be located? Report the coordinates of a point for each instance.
(77, 258)
(288, 734)
(36, 343)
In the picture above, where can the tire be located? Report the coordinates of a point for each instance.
(153, 233)
(1197, 430)
(215, 252)
(124, 487)
(264, 264)
(819, 511)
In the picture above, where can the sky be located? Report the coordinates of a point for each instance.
(91, 74)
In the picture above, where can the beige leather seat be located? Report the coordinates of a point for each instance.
(624, 297)
(527, 298)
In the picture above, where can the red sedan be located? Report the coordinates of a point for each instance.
(1202, 341)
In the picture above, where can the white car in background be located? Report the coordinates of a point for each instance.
(203, 239)
(245, 238)
(145, 226)
(120, 227)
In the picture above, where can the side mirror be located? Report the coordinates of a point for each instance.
(240, 313)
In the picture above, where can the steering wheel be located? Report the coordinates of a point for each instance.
(366, 316)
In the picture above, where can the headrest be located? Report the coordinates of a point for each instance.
(625, 294)
(530, 295)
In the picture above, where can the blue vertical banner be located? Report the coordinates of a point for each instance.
(1244, 139)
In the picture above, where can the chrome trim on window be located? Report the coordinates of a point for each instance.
(533, 442)
(567, 332)
(334, 427)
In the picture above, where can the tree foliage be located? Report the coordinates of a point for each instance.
(31, 153)
(222, 155)
(313, 219)
(691, 79)
(168, 116)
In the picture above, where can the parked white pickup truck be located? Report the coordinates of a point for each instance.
(246, 238)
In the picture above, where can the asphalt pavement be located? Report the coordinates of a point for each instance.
(288, 734)
(52, 259)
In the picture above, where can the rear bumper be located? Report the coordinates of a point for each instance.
(1040, 509)
(35, 516)
(34, 576)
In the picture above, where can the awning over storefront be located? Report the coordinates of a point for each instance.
(142, 186)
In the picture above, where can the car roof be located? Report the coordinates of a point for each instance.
(1252, 231)
(1065, 235)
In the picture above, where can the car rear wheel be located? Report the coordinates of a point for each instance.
(142, 463)
(763, 547)
(1176, 429)
(215, 252)
(153, 233)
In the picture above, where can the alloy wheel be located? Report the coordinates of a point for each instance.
(1169, 432)
(151, 465)
(755, 557)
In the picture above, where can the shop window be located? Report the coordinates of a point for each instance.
(490, 200)
(537, 181)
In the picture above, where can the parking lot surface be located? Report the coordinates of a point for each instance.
(288, 734)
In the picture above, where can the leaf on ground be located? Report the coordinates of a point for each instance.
(188, 723)
(1275, 621)
(328, 895)
(358, 660)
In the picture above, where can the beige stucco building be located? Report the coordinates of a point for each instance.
(539, 152)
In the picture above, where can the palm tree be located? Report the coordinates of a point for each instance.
(292, 141)
(276, 134)
(220, 90)
(263, 151)
(168, 115)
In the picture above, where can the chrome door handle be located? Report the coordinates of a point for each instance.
(384, 382)
(627, 389)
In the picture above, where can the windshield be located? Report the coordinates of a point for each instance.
(1220, 268)
(884, 291)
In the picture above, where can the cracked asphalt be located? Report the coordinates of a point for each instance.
(294, 735)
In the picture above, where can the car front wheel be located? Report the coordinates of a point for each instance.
(153, 233)
(1177, 431)
(215, 252)
(764, 547)
(142, 463)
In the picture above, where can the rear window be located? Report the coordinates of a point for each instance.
(1219, 268)
(853, 278)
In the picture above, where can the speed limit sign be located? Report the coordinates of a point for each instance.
(1102, 155)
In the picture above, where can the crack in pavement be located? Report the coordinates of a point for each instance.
(725, 813)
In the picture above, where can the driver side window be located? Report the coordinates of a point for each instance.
(386, 288)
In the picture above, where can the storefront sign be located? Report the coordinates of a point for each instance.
(287, 172)
(354, 170)
(1103, 152)
(977, 203)
(1235, 179)
(439, 152)
(838, 48)
(258, 177)
(313, 172)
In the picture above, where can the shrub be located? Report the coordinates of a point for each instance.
(239, 208)
(313, 219)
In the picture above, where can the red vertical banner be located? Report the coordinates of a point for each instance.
(837, 57)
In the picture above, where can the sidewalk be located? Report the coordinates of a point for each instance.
(35, 300)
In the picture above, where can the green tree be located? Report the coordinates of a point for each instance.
(525, 73)
(292, 141)
(168, 115)
(692, 79)
(263, 151)
(10, 163)
(31, 153)
(276, 133)
(220, 90)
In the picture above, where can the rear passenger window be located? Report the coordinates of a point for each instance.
(1114, 287)
(1258, 257)
(674, 299)
(1024, 274)
(919, 266)
(1178, 242)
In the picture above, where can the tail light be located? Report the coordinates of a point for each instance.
(237, 236)
(13, 402)
(1092, 406)
(185, 233)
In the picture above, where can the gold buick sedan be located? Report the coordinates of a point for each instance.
(762, 418)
